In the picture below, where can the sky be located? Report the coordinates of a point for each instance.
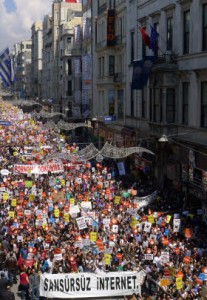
(17, 17)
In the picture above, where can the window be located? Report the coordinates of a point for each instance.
(204, 42)
(69, 67)
(186, 31)
(70, 88)
(185, 103)
(132, 46)
(157, 105)
(102, 66)
(144, 103)
(111, 65)
(204, 104)
(170, 106)
(151, 105)
(28, 46)
(99, 66)
(132, 102)
(169, 33)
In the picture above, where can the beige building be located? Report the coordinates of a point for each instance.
(36, 60)
(23, 69)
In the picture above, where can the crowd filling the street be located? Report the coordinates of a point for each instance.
(69, 228)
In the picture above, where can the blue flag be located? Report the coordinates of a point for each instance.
(6, 68)
(141, 71)
(153, 40)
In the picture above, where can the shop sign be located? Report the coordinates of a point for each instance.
(110, 27)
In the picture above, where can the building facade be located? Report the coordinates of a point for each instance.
(22, 63)
(36, 60)
(174, 101)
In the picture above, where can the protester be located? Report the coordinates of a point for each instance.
(62, 216)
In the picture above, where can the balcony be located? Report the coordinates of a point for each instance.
(166, 61)
(118, 77)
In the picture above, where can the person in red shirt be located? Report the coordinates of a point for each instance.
(24, 284)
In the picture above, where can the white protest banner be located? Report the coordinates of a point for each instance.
(90, 285)
(176, 225)
(39, 169)
(81, 223)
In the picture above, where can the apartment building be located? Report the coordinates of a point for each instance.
(174, 101)
(23, 69)
(36, 59)
(109, 71)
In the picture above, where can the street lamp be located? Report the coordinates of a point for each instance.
(163, 139)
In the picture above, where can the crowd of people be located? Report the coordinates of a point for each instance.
(77, 217)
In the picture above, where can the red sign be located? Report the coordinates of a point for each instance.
(111, 27)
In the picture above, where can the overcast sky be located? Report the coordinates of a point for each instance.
(17, 17)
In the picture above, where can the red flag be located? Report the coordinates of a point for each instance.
(145, 37)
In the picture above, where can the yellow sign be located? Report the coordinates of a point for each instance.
(62, 181)
(107, 258)
(66, 217)
(72, 201)
(134, 222)
(117, 199)
(5, 196)
(56, 213)
(151, 219)
(11, 214)
(31, 197)
(179, 283)
(93, 236)
(14, 202)
(168, 218)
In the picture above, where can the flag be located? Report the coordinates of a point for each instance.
(141, 71)
(145, 37)
(6, 68)
(153, 39)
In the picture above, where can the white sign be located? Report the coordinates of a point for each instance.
(148, 256)
(89, 285)
(81, 223)
(176, 225)
(165, 257)
(39, 169)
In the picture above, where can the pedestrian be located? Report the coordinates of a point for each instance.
(11, 264)
(3, 283)
(34, 284)
(24, 284)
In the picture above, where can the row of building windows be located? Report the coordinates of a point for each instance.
(170, 27)
(156, 105)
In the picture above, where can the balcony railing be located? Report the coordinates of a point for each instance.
(167, 58)
(118, 77)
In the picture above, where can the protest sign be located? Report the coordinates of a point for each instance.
(86, 285)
